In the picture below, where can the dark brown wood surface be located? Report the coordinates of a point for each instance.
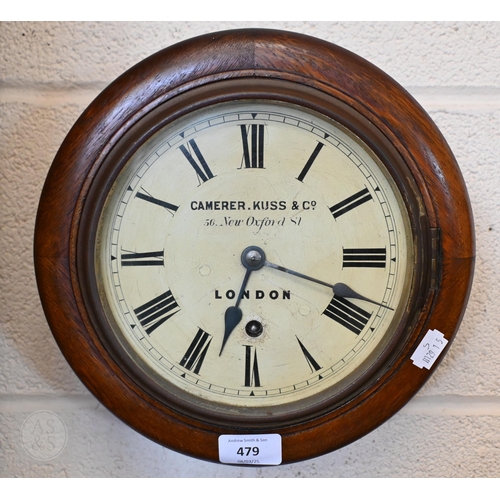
(227, 56)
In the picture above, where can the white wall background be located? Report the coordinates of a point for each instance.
(49, 72)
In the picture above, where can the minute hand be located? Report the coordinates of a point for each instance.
(339, 289)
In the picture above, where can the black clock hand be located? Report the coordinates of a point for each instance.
(339, 289)
(233, 314)
(252, 258)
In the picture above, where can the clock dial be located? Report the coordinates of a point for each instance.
(254, 254)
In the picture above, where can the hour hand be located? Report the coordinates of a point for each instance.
(339, 289)
(252, 258)
(233, 314)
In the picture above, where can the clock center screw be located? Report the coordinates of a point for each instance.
(253, 258)
(254, 328)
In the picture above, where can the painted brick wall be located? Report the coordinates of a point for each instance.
(49, 72)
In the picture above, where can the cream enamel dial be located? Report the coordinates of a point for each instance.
(305, 196)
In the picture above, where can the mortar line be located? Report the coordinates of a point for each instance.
(449, 405)
(431, 98)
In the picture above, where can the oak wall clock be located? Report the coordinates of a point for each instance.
(252, 247)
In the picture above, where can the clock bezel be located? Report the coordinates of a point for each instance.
(230, 56)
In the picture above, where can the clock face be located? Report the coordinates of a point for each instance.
(301, 316)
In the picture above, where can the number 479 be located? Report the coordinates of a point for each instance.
(247, 450)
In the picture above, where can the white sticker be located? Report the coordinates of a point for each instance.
(250, 449)
(429, 349)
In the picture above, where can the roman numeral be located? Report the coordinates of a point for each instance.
(313, 364)
(156, 201)
(197, 350)
(253, 145)
(154, 313)
(309, 162)
(349, 203)
(347, 314)
(364, 257)
(200, 166)
(252, 378)
(142, 258)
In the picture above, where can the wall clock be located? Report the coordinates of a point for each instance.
(252, 246)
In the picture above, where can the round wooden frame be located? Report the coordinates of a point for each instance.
(223, 61)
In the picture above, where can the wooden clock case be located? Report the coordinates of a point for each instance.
(253, 64)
